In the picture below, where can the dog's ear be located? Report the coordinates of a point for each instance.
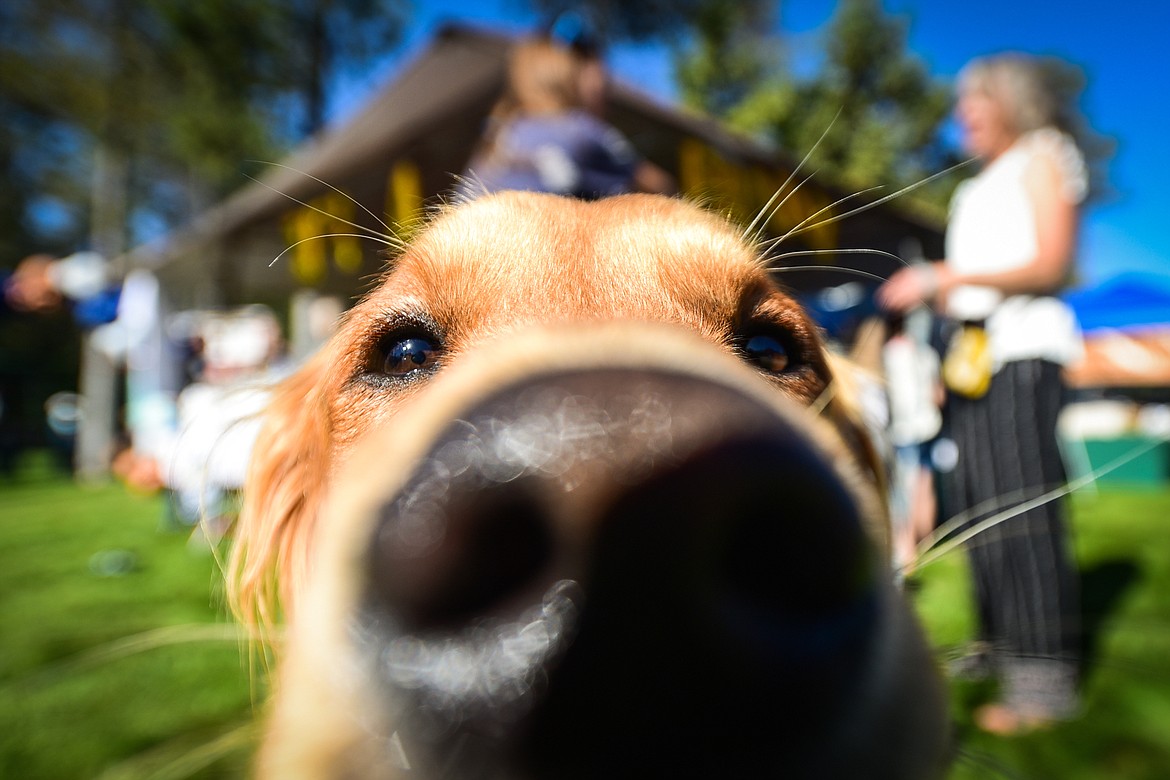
(282, 494)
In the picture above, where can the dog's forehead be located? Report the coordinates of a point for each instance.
(532, 213)
(628, 254)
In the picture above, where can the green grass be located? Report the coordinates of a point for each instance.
(134, 675)
(1123, 552)
(139, 675)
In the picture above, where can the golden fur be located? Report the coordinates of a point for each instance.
(514, 285)
(465, 273)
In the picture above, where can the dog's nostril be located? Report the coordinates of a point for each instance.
(761, 532)
(490, 547)
(733, 600)
(795, 544)
(797, 576)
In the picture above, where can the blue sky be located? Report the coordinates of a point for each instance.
(1122, 48)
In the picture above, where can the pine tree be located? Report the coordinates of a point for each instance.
(882, 109)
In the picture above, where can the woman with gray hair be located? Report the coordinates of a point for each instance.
(1011, 243)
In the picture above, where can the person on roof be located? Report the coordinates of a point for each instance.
(545, 133)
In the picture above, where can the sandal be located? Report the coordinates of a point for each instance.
(974, 665)
(1006, 721)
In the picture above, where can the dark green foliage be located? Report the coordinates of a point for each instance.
(728, 58)
(882, 108)
(183, 92)
(123, 119)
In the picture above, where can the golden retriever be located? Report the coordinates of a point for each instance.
(577, 492)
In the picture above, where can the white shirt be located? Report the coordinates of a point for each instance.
(911, 371)
(992, 229)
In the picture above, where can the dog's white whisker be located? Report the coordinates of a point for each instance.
(873, 204)
(389, 240)
(997, 504)
(822, 252)
(390, 232)
(934, 547)
(842, 269)
(800, 227)
(295, 244)
(753, 230)
(772, 210)
(818, 406)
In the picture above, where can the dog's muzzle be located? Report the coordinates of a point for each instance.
(640, 571)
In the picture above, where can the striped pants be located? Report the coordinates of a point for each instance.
(1025, 579)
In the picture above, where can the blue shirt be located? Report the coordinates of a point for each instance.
(573, 154)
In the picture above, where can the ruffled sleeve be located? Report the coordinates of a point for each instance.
(1061, 148)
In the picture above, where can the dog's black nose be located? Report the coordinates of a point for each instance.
(635, 572)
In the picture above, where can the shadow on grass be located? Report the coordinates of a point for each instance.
(1102, 588)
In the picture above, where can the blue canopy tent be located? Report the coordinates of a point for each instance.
(1126, 302)
(1126, 322)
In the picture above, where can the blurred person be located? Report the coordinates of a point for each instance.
(125, 321)
(28, 287)
(82, 285)
(543, 137)
(137, 340)
(202, 462)
(911, 370)
(1011, 242)
(578, 33)
(42, 283)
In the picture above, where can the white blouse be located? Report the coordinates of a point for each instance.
(992, 228)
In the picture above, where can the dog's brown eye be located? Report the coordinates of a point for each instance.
(767, 352)
(409, 354)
